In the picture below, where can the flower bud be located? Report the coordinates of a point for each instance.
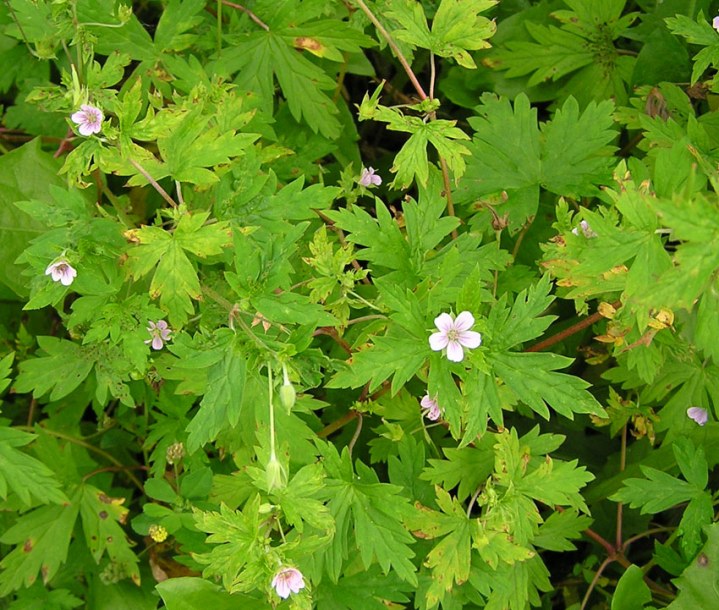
(288, 396)
(275, 474)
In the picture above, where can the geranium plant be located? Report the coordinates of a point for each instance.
(359, 304)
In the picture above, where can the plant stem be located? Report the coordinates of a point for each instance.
(249, 13)
(568, 332)
(219, 28)
(355, 436)
(270, 390)
(620, 507)
(90, 447)
(153, 182)
(448, 192)
(395, 49)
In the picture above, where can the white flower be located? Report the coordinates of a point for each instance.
(89, 119)
(431, 408)
(586, 230)
(715, 23)
(698, 414)
(288, 580)
(369, 177)
(61, 271)
(454, 335)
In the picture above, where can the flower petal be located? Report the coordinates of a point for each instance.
(699, 415)
(427, 402)
(438, 341)
(464, 321)
(157, 342)
(444, 322)
(455, 353)
(470, 339)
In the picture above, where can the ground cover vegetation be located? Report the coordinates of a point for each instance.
(359, 304)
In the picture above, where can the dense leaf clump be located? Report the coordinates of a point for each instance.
(359, 304)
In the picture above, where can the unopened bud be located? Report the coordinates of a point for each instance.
(288, 395)
(275, 474)
(124, 13)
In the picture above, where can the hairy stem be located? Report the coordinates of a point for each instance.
(249, 13)
(153, 182)
(395, 49)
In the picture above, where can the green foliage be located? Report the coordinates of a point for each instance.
(359, 305)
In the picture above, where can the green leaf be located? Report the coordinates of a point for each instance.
(240, 546)
(28, 477)
(222, 404)
(63, 369)
(299, 500)
(43, 537)
(509, 153)
(632, 593)
(25, 173)
(458, 28)
(366, 590)
(384, 243)
(398, 354)
(560, 528)
(521, 323)
(5, 371)
(174, 30)
(175, 279)
(190, 593)
(101, 517)
(376, 510)
(260, 55)
(657, 492)
(130, 39)
(532, 378)
(464, 468)
(692, 462)
(194, 144)
(450, 559)
(556, 483)
(582, 46)
(696, 584)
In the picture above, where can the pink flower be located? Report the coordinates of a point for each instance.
(431, 408)
(698, 414)
(369, 177)
(586, 230)
(454, 335)
(160, 333)
(288, 580)
(715, 23)
(61, 271)
(89, 120)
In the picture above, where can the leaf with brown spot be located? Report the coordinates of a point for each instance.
(42, 538)
(102, 518)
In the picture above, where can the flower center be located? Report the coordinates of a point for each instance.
(453, 334)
